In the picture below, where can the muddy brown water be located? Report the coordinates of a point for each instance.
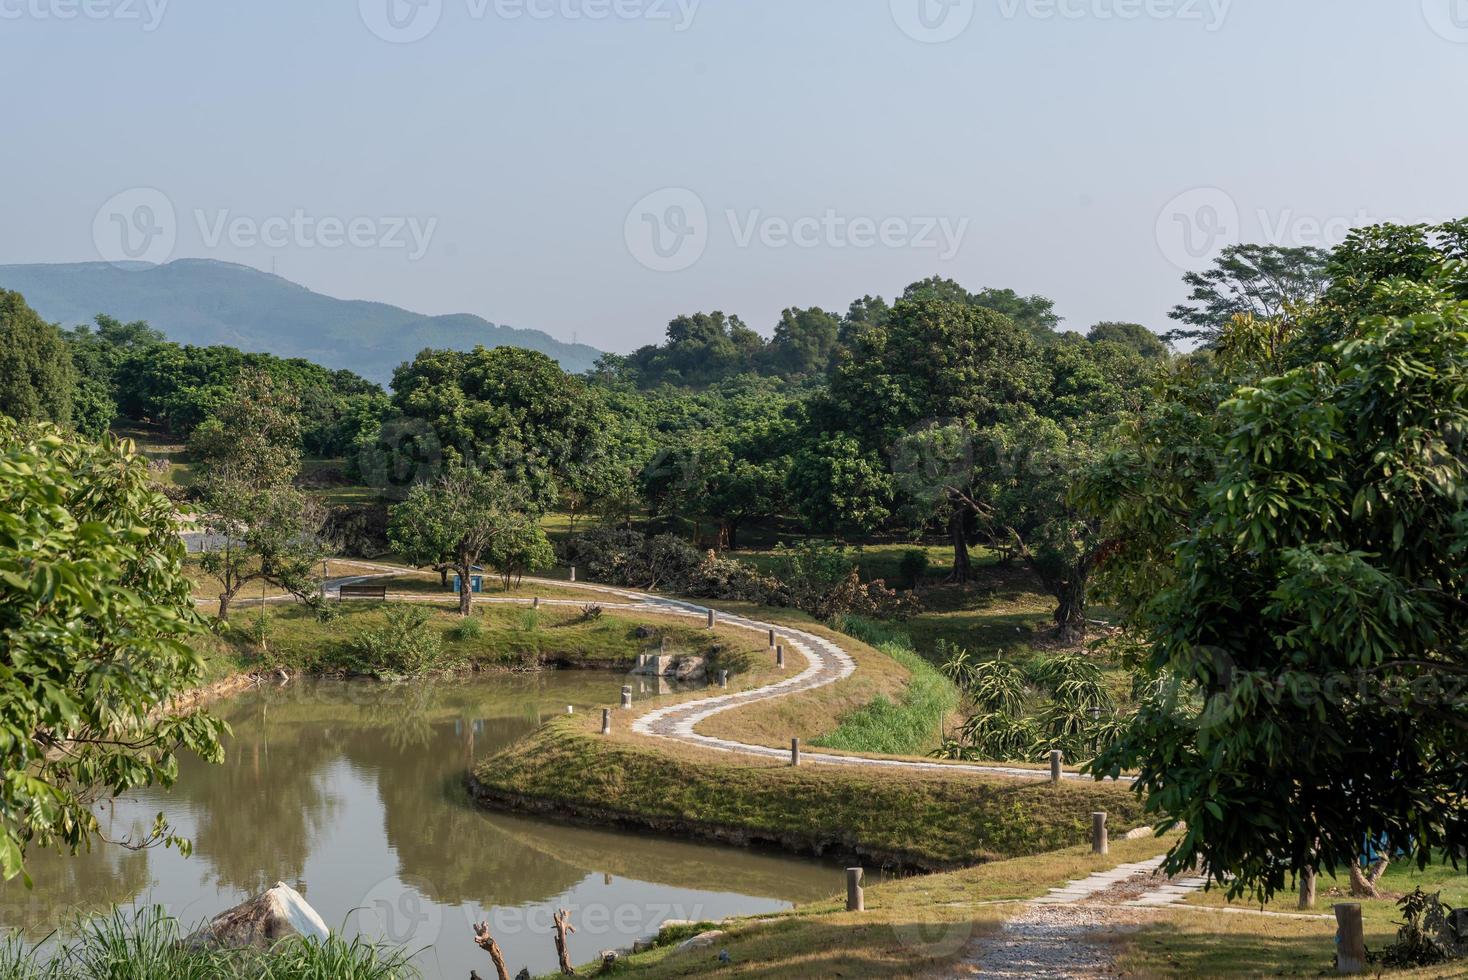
(352, 792)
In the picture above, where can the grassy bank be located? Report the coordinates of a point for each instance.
(912, 927)
(908, 725)
(915, 820)
(496, 637)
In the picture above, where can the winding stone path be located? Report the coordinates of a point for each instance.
(825, 663)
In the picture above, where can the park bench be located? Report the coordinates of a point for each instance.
(362, 591)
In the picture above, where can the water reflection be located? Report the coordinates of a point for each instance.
(353, 793)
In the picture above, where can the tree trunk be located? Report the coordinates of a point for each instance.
(958, 534)
(1070, 614)
(224, 599)
(466, 586)
(1363, 884)
(486, 942)
(1307, 888)
(729, 535)
(562, 919)
(443, 575)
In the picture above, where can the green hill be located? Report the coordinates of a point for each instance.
(201, 301)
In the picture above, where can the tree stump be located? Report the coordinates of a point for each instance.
(486, 942)
(1350, 939)
(562, 920)
(1056, 758)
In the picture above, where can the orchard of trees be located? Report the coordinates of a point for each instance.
(1278, 518)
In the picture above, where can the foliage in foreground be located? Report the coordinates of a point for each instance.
(95, 615)
(145, 945)
(1288, 528)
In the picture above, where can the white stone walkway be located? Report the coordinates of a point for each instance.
(825, 663)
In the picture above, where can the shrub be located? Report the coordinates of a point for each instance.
(402, 644)
(914, 567)
(467, 629)
(1426, 936)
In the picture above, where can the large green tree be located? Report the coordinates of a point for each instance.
(37, 377)
(1287, 531)
(1254, 280)
(96, 618)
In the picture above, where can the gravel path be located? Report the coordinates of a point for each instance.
(825, 663)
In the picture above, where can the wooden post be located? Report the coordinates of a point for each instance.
(855, 896)
(795, 751)
(606, 721)
(772, 639)
(1056, 757)
(723, 678)
(780, 656)
(1099, 843)
(486, 942)
(1350, 939)
(711, 619)
(562, 919)
(626, 697)
(535, 603)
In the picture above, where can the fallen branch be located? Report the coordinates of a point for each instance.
(486, 942)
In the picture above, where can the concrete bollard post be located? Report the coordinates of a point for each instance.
(1099, 843)
(1350, 939)
(855, 896)
(626, 697)
(606, 721)
(711, 619)
(723, 678)
(570, 709)
(795, 751)
(1056, 758)
(780, 656)
(573, 573)
(535, 603)
(772, 639)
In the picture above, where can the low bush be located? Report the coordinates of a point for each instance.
(404, 643)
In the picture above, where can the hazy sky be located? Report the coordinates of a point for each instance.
(595, 167)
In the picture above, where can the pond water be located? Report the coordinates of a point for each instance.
(352, 793)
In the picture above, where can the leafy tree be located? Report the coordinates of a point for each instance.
(1130, 335)
(254, 435)
(1256, 280)
(836, 485)
(95, 621)
(1033, 314)
(804, 342)
(506, 409)
(37, 377)
(470, 507)
(520, 549)
(1286, 530)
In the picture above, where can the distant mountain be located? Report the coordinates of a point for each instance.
(204, 302)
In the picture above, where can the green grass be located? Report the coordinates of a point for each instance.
(909, 726)
(501, 636)
(919, 820)
(145, 946)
